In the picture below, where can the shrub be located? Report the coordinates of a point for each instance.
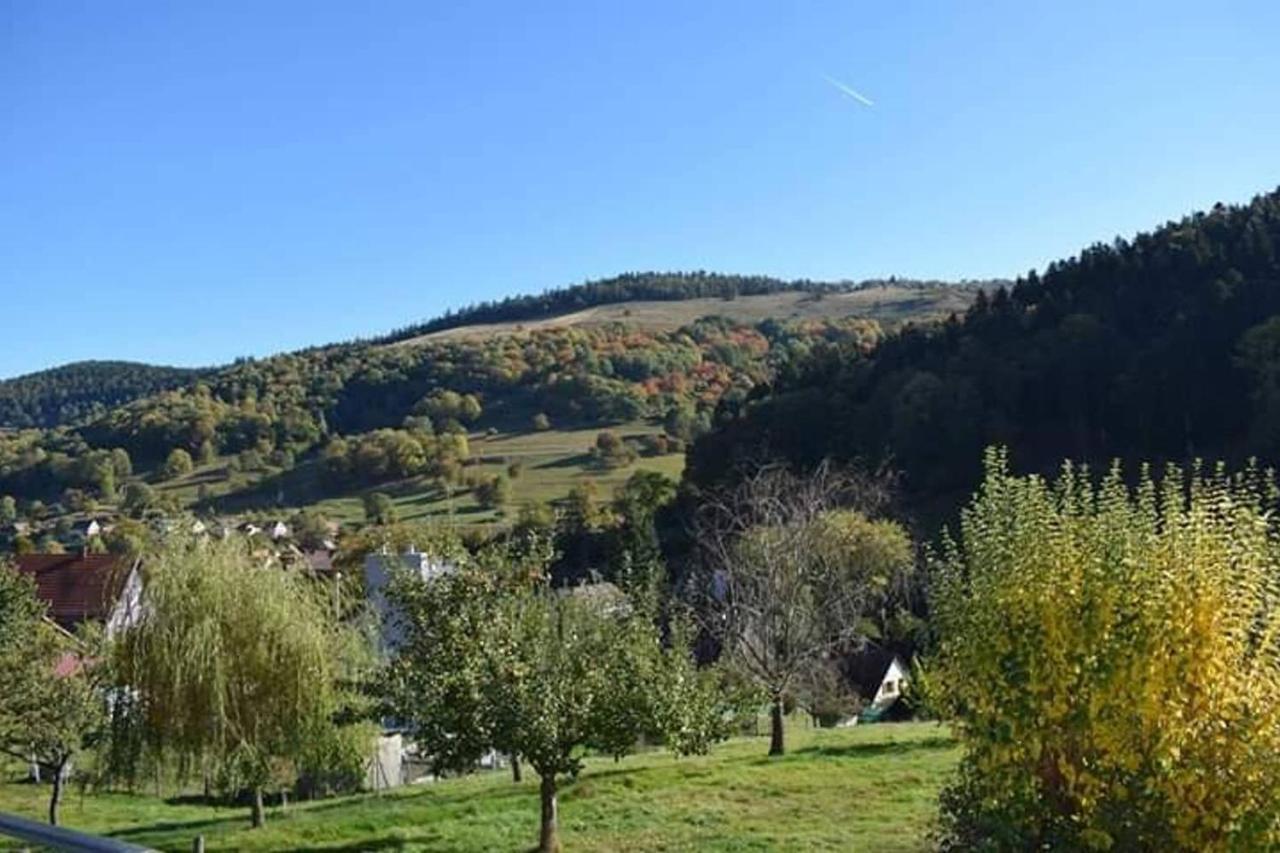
(1111, 658)
(493, 492)
(610, 451)
(178, 464)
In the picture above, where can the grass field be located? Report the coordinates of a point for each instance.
(890, 305)
(869, 788)
(551, 463)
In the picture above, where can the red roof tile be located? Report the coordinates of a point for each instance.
(76, 586)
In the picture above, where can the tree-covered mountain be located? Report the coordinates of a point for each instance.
(1163, 347)
(333, 421)
(82, 390)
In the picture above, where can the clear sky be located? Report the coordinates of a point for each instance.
(185, 182)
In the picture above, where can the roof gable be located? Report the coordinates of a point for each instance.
(76, 587)
(867, 668)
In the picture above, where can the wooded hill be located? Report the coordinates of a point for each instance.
(335, 421)
(81, 391)
(1162, 347)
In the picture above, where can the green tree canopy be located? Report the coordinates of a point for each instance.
(493, 661)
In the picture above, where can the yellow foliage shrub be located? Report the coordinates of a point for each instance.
(1111, 659)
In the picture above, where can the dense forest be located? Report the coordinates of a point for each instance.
(1163, 347)
(82, 390)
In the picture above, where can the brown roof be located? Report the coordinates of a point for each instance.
(319, 561)
(76, 586)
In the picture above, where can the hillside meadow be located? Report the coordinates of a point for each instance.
(890, 305)
(868, 788)
(550, 463)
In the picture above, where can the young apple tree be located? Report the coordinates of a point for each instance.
(493, 659)
(52, 705)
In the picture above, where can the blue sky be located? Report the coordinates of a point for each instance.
(188, 182)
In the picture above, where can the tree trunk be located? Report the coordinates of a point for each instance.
(55, 799)
(259, 814)
(776, 746)
(515, 767)
(549, 841)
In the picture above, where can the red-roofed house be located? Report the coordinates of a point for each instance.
(81, 587)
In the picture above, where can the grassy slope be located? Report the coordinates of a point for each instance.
(553, 462)
(872, 788)
(889, 305)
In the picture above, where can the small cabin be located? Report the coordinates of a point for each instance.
(880, 677)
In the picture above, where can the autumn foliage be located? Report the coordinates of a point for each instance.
(1111, 658)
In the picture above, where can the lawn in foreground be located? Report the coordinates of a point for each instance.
(870, 788)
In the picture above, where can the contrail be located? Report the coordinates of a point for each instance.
(851, 92)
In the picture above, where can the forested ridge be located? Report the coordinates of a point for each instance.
(82, 390)
(1162, 347)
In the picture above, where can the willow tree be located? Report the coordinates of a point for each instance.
(1111, 659)
(236, 667)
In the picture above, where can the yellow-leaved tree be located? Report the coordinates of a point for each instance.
(1110, 657)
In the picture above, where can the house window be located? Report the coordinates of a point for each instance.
(890, 688)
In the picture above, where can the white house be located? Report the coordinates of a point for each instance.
(378, 570)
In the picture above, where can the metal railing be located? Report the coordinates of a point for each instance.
(57, 838)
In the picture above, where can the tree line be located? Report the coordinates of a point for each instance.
(1162, 347)
(276, 411)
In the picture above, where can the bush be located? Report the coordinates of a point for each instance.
(178, 464)
(493, 492)
(1111, 659)
(610, 451)
(379, 508)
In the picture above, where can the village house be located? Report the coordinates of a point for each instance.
(378, 570)
(82, 587)
(90, 528)
(79, 588)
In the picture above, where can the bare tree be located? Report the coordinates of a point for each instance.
(790, 565)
